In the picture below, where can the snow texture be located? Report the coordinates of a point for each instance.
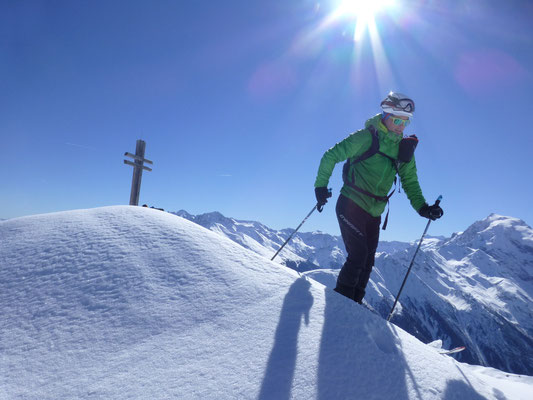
(133, 303)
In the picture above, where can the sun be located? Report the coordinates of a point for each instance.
(363, 7)
(363, 11)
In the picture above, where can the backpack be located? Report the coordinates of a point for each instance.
(405, 154)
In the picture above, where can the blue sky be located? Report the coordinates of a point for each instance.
(238, 100)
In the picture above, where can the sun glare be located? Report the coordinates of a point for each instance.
(363, 7)
(363, 11)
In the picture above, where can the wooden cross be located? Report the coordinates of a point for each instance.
(138, 166)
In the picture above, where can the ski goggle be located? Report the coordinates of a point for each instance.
(406, 105)
(400, 122)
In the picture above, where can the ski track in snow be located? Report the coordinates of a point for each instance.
(125, 302)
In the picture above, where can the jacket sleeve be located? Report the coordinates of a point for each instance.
(409, 179)
(353, 145)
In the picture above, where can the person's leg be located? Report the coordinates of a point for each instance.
(372, 235)
(352, 225)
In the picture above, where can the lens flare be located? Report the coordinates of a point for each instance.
(363, 11)
(363, 7)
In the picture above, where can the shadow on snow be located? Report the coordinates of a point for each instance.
(279, 373)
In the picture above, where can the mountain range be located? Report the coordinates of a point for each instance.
(473, 289)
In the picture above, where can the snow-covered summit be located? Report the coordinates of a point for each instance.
(505, 244)
(126, 302)
(496, 232)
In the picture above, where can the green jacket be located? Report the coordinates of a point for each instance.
(376, 174)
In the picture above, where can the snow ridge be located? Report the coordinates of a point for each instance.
(126, 302)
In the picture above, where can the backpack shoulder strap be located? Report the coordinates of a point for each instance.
(373, 149)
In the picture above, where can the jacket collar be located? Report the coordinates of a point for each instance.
(384, 134)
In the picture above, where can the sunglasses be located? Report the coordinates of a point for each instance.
(399, 121)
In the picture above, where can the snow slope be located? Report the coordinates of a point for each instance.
(472, 289)
(127, 302)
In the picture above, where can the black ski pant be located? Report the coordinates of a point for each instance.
(360, 233)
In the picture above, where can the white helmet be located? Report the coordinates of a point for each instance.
(398, 104)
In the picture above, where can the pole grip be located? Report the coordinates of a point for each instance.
(438, 200)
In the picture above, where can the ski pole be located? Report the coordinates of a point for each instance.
(411, 265)
(292, 234)
(299, 226)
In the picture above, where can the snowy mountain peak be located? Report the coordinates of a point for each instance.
(210, 217)
(497, 222)
(215, 218)
(127, 302)
(498, 233)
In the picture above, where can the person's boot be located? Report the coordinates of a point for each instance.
(347, 291)
(358, 295)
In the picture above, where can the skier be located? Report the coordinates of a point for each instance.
(375, 155)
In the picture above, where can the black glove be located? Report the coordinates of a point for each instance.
(322, 195)
(432, 212)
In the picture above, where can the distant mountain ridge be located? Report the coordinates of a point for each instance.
(473, 289)
(306, 251)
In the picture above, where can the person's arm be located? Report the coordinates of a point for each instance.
(353, 145)
(411, 186)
